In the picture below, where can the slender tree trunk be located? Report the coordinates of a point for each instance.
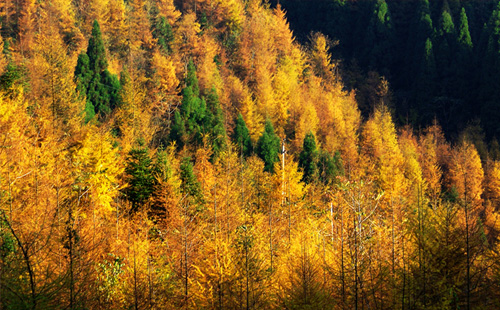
(247, 289)
(136, 303)
(342, 268)
(271, 235)
(466, 207)
(355, 264)
(71, 262)
(186, 274)
(393, 259)
(150, 280)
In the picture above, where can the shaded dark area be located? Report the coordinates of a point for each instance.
(441, 58)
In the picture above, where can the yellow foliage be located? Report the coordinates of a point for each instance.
(412, 170)
(429, 161)
(62, 14)
(97, 170)
(165, 73)
(133, 117)
(287, 185)
(382, 154)
(167, 9)
(283, 34)
(321, 61)
(466, 173)
(116, 24)
(232, 12)
(3, 59)
(27, 25)
(308, 122)
(493, 181)
(186, 34)
(206, 69)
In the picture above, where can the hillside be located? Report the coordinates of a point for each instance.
(440, 57)
(161, 154)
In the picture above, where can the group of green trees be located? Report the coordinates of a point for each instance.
(440, 57)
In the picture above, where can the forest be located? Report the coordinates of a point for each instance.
(249, 154)
(439, 57)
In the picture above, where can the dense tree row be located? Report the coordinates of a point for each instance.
(226, 168)
(439, 56)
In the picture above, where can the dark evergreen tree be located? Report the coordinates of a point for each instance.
(188, 125)
(490, 92)
(464, 68)
(241, 137)
(191, 79)
(214, 123)
(420, 31)
(96, 50)
(268, 147)
(178, 130)
(83, 74)
(190, 185)
(139, 176)
(94, 80)
(445, 49)
(308, 157)
(13, 74)
(464, 38)
(162, 31)
(329, 167)
(379, 38)
(425, 87)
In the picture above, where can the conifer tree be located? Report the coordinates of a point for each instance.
(190, 185)
(268, 147)
(489, 90)
(188, 120)
(308, 158)
(329, 166)
(214, 123)
(163, 33)
(379, 38)
(93, 78)
(140, 177)
(421, 31)
(464, 38)
(445, 49)
(464, 66)
(425, 88)
(241, 136)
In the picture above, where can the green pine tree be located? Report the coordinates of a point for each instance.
(308, 157)
(489, 91)
(100, 87)
(464, 38)
(380, 38)
(140, 177)
(191, 79)
(190, 123)
(190, 185)
(445, 50)
(96, 50)
(425, 86)
(162, 31)
(422, 29)
(214, 123)
(268, 147)
(329, 167)
(462, 84)
(241, 137)
(178, 131)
